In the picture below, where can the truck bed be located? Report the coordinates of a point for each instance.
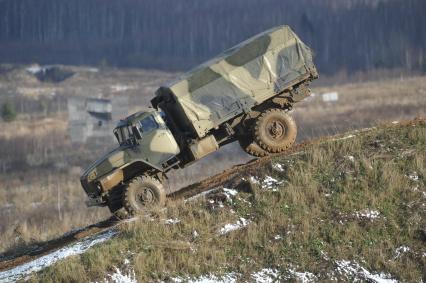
(236, 80)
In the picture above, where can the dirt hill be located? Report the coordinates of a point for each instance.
(344, 208)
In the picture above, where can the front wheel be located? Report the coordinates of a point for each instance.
(275, 130)
(141, 193)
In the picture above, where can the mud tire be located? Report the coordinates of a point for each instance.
(251, 147)
(115, 203)
(115, 199)
(142, 193)
(275, 130)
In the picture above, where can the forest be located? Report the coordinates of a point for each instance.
(346, 35)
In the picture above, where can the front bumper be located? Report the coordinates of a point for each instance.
(91, 189)
(95, 202)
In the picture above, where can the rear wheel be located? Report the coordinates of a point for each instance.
(275, 130)
(141, 193)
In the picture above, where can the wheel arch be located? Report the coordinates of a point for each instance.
(139, 167)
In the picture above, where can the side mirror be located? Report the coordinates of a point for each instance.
(136, 132)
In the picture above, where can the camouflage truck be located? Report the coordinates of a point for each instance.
(242, 95)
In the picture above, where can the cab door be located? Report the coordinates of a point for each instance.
(157, 144)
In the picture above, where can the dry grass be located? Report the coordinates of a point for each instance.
(361, 104)
(37, 207)
(314, 211)
(34, 128)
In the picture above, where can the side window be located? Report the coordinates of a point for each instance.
(118, 135)
(148, 124)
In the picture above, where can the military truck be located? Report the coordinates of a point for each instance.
(243, 95)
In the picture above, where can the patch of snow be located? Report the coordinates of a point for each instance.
(34, 69)
(302, 276)
(353, 271)
(241, 223)
(195, 234)
(266, 275)
(344, 138)
(278, 237)
(93, 70)
(118, 277)
(172, 221)
(267, 183)
(413, 176)
(229, 193)
(350, 158)
(367, 214)
(201, 194)
(278, 167)
(270, 183)
(22, 272)
(401, 250)
(210, 278)
(424, 194)
(324, 256)
(395, 122)
(126, 261)
(254, 180)
(129, 220)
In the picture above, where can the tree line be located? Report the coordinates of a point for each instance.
(346, 35)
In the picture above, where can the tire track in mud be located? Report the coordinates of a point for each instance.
(90, 235)
(24, 270)
(12, 259)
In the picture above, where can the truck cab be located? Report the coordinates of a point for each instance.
(145, 144)
(147, 133)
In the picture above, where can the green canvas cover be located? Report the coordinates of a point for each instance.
(239, 78)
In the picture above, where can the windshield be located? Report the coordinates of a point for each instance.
(147, 125)
(128, 134)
